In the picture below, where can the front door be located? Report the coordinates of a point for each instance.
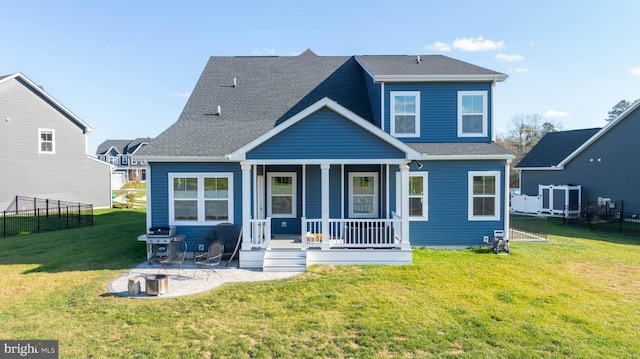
(363, 195)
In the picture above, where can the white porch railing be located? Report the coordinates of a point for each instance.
(353, 233)
(260, 233)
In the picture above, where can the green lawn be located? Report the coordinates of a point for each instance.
(577, 296)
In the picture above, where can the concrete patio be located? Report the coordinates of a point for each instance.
(183, 283)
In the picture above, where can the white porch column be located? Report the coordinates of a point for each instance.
(324, 168)
(404, 206)
(246, 207)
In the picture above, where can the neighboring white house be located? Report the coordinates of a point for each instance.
(43, 149)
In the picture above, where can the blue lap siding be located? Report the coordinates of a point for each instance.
(448, 224)
(439, 110)
(324, 135)
(160, 196)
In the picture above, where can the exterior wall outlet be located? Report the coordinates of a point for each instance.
(201, 247)
(283, 224)
(485, 239)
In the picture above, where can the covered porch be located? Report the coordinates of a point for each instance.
(336, 235)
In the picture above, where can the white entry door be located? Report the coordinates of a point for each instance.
(363, 195)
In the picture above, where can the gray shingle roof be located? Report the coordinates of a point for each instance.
(269, 90)
(122, 146)
(387, 65)
(555, 147)
(460, 149)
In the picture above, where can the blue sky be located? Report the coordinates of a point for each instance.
(127, 67)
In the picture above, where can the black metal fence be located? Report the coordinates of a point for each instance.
(527, 228)
(606, 217)
(28, 215)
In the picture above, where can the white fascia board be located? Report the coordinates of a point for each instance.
(556, 168)
(113, 167)
(440, 78)
(38, 89)
(240, 154)
(427, 157)
(600, 133)
(338, 161)
(183, 158)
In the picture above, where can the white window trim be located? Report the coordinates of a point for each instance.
(200, 198)
(497, 203)
(352, 214)
(485, 111)
(53, 141)
(425, 196)
(294, 194)
(392, 112)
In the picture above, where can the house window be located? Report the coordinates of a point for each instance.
(472, 113)
(363, 195)
(46, 142)
(418, 199)
(113, 160)
(484, 196)
(405, 113)
(198, 198)
(282, 195)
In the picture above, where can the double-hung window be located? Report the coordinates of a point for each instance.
(484, 196)
(418, 196)
(472, 114)
(46, 142)
(282, 195)
(405, 113)
(199, 198)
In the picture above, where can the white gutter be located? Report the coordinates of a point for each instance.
(440, 78)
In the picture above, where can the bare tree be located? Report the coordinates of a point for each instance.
(525, 130)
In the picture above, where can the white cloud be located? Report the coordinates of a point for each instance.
(509, 58)
(635, 71)
(477, 44)
(439, 46)
(554, 113)
(185, 94)
(263, 52)
(522, 70)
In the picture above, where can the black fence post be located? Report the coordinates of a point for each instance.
(621, 215)
(67, 216)
(4, 223)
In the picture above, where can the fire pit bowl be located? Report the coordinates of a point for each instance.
(157, 284)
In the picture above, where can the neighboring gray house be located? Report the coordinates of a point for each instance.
(43, 149)
(120, 154)
(604, 161)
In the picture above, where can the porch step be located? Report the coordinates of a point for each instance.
(285, 260)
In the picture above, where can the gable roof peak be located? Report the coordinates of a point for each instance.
(308, 52)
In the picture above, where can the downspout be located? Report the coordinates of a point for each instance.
(507, 212)
(149, 187)
(493, 117)
(382, 106)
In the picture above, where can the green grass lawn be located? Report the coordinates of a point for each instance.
(577, 296)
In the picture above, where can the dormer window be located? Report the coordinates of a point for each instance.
(405, 113)
(472, 114)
